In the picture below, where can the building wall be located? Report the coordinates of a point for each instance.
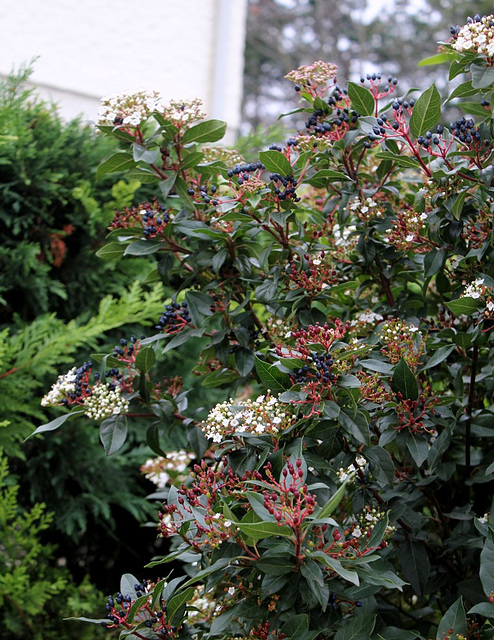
(91, 48)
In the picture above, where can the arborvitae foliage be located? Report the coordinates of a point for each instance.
(35, 594)
(53, 213)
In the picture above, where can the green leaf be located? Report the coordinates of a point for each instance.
(259, 530)
(381, 464)
(275, 565)
(312, 572)
(113, 433)
(208, 131)
(377, 365)
(191, 160)
(433, 262)
(439, 356)
(119, 161)
(145, 359)
(296, 626)
(426, 111)
(362, 99)
(271, 377)
(167, 185)
(276, 162)
(175, 605)
(127, 582)
(326, 510)
(482, 77)
(418, 448)
(111, 251)
(142, 248)
(55, 424)
(438, 58)
(357, 628)
(404, 381)
(141, 154)
(487, 567)
(244, 361)
(475, 109)
(485, 609)
(454, 619)
(464, 306)
(407, 162)
(414, 561)
(337, 567)
(355, 424)
(463, 90)
(322, 177)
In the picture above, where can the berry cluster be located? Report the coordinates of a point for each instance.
(123, 613)
(175, 317)
(152, 217)
(373, 80)
(285, 186)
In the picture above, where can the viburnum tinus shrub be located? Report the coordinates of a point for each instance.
(342, 287)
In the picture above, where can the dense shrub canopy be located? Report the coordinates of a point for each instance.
(342, 287)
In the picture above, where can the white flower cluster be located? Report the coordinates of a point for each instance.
(130, 109)
(202, 606)
(105, 402)
(350, 472)
(265, 415)
(159, 470)
(182, 112)
(64, 385)
(365, 210)
(475, 289)
(477, 35)
(367, 317)
(341, 236)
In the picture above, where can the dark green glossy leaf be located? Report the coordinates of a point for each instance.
(111, 251)
(362, 99)
(271, 377)
(276, 162)
(357, 628)
(404, 381)
(455, 620)
(119, 161)
(464, 306)
(208, 131)
(414, 561)
(487, 567)
(426, 111)
(145, 359)
(113, 433)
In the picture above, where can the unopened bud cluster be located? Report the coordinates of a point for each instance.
(265, 415)
(314, 76)
(105, 400)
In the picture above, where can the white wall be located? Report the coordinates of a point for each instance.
(91, 48)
